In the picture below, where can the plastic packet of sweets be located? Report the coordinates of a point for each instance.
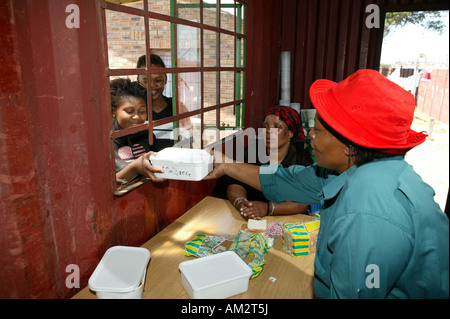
(244, 244)
(256, 244)
(204, 245)
(299, 239)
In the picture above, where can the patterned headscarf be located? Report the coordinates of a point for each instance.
(290, 117)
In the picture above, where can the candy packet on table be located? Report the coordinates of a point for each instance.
(256, 244)
(300, 239)
(204, 245)
(244, 244)
(274, 229)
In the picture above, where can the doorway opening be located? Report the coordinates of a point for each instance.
(415, 55)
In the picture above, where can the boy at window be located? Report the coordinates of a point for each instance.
(161, 104)
(132, 152)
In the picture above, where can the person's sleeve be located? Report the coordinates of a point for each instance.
(296, 183)
(369, 255)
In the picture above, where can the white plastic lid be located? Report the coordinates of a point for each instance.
(182, 155)
(213, 270)
(120, 270)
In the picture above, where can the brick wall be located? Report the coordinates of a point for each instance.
(433, 96)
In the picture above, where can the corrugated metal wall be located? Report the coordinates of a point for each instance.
(327, 39)
(331, 42)
(433, 98)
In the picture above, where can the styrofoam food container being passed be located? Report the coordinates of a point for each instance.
(182, 163)
(120, 273)
(216, 276)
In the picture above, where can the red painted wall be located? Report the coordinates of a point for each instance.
(57, 206)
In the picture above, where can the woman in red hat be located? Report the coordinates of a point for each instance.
(382, 235)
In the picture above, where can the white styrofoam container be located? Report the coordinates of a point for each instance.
(120, 273)
(216, 276)
(182, 163)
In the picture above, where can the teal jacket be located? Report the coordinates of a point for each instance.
(381, 235)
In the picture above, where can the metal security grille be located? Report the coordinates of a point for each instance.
(203, 46)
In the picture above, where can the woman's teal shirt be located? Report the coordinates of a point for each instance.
(381, 235)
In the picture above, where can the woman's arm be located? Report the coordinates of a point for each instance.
(287, 208)
(258, 210)
(246, 173)
(236, 194)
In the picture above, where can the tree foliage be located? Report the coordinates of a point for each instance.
(427, 19)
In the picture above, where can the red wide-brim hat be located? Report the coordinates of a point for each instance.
(369, 110)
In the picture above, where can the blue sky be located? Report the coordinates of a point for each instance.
(407, 43)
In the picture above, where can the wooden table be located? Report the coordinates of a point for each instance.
(214, 216)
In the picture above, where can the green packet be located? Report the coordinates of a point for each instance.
(244, 244)
(204, 245)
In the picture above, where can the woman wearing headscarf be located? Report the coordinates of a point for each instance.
(381, 235)
(283, 125)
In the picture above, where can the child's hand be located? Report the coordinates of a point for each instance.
(146, 169)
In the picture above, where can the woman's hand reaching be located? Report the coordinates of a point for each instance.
(220, 162)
